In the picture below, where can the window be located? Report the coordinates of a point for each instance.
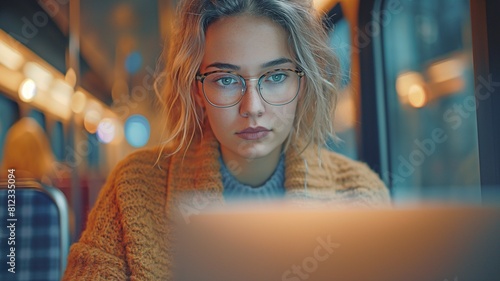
(430, 102)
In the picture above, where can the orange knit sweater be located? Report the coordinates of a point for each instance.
(126, 234)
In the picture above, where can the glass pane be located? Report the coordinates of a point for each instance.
(430, 100)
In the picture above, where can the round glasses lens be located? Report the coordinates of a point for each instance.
(223, 89)
(279, 87)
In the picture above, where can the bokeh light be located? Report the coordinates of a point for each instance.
(106, 130)
(78, 102)
(27, 90)
(41, 75)
(137, 130)
(93, 115)
(417, 96)
(10, 57)
(70, 77)
(133, 62)
(91, 120)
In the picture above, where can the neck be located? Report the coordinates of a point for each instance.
(254, 171)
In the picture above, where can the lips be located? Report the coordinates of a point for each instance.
(253, 133)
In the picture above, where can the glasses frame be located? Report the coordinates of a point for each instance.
(201, 78)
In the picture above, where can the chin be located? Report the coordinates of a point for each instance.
(254, 150)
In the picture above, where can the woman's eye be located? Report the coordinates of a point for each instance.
(276, 77)
(226, 81)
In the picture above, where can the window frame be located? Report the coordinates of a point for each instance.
(486, 57)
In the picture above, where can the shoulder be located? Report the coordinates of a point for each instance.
(144, 170)
(352, 180)
(146, 160)
(126, 219)
(148, 156)
(347, 168)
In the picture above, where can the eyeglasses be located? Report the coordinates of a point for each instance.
(226, 88)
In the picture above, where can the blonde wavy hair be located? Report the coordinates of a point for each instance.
(27, 149)
(307, 39)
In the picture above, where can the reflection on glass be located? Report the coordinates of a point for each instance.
(430, 99)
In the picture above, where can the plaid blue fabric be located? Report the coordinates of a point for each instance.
(37, 237)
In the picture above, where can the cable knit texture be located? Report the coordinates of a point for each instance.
(127, 234)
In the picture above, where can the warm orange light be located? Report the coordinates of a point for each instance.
(78, 102)
(93, 116)
(27, 90)
(9, 57)
(61, 92)
(39, 74)
(447, 76)
(91, 121)
(406, 80)
(417, 96)
(70, 77)
(446, 70)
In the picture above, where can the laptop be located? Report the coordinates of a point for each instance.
(282, 242)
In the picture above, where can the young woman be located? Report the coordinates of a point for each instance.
(249, 95)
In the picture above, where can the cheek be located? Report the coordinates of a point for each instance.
(283, 117)
(220, 119)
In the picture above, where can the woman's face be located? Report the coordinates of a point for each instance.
(249, 46)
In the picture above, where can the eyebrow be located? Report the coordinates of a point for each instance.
(275, 62)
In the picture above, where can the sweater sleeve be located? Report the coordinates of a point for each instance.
(127, 228)
(100, 253)
(335, 181)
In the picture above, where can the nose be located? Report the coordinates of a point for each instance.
(251, 104)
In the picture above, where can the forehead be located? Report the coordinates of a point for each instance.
(246, 41)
